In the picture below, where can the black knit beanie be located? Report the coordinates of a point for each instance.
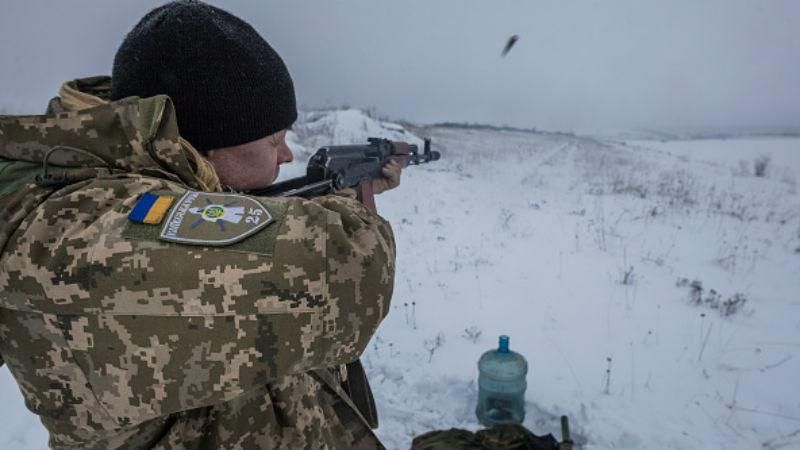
(228, 85)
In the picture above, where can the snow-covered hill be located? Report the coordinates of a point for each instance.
(315, 129)
(654, 287)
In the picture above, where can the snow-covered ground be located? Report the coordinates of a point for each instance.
(654, 287)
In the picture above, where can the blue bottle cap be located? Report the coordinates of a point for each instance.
(503, 348)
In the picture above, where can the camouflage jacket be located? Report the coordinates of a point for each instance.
(119, 339)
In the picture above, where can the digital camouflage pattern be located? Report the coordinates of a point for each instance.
(119, 341)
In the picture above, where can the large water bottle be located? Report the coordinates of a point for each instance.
(501, 386)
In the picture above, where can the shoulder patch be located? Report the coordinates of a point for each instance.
(203, 218)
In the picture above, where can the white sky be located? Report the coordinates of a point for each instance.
(678, 64)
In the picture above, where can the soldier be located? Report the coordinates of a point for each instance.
(144, 301)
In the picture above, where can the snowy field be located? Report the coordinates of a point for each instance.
(654, 287)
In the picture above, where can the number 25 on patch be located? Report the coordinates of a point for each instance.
(253, 216)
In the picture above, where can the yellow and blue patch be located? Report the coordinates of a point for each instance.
(151, 209)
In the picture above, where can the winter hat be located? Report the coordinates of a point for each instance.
(228, 85)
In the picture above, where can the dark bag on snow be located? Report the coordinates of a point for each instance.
(502, 437)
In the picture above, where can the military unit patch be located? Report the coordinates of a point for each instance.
(202, 218)
(150, 209)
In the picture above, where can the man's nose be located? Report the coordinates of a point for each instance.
(285, 154)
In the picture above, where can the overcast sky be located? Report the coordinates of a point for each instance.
(621, 64)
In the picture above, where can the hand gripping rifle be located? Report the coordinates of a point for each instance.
(350, 166)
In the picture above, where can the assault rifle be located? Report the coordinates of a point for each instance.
(337, 167)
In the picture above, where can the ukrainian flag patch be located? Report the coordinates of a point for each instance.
(151, 209)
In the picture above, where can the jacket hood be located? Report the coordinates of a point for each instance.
(81, 93)
(132, 135)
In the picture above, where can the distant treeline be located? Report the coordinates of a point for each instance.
(483, 126)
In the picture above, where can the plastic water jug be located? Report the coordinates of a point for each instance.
(501, 386)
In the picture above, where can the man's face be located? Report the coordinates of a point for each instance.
(252, 165)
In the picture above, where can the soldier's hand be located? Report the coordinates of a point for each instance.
(390, 178)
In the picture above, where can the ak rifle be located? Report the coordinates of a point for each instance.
(337, 167)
